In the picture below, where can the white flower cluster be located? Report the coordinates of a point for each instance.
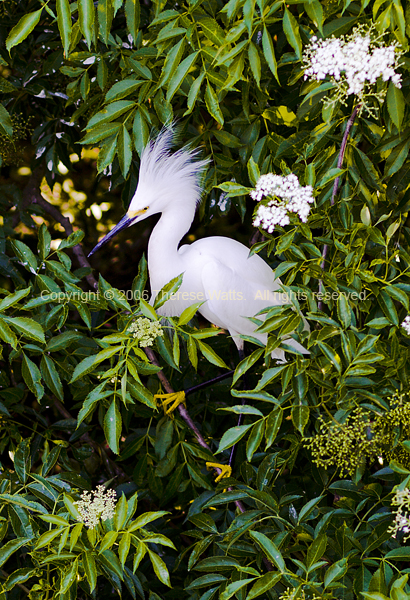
(102, 506)
(288, 197)
(354, 58)
(406, 324)
(402, 518)
(145, 331)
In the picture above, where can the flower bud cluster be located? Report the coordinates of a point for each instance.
(101, 506)
(344, 445)
(288, 197)
(406, 324)
(145, 331)
(401, 521)
(353, 62)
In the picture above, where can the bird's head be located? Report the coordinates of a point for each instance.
(164, 179)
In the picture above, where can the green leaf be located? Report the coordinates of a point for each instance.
(140, 132)
(193, 94)
(291, 30)
(12, 546)
(308, 508)
(171, 62)
(32, 377)
(113, 426)
(316, 550)
(6, 126)
(22, 460)
(246, 364)
(64, 23)
(51, 376)
(315, 11)
(120, 512)
(90, 568)
(269, 52)
(399, 553)
(255, 439)
(160, 568)
(93, 397)
(269, 549)
(167, 291)
(124, 150)
(395, 104)
(47, 537)
(146, 518)
(336, 571)
(25, 255)
(7, 335)
(68, 577)
(331, 354)
(18, 577)
(119, 90)
(124, 548)
(343, 311)
(234, 587)
(188, 313)
(210, 355)
(108, 541)
(232, 436)
(132, 16)
(86, 15)
(23, 29)
(87, 364)
(300, 417)
(105, 13)
(180, 74)
(110, 113)
(212, 104)
(273, 424)
(263, 584)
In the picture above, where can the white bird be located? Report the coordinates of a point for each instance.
(216, 270)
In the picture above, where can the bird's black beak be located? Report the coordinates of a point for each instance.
(125, 222)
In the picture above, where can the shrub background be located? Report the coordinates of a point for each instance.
(77, 406)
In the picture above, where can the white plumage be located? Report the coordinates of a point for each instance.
(216, 270)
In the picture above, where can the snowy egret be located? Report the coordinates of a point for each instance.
(216, 270)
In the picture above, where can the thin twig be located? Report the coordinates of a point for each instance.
(340, 159)
(185, 414)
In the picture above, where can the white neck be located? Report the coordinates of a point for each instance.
(164, 263)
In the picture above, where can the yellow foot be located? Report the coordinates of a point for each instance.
(226, 470)
(169, 402)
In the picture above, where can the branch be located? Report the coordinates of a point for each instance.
(185, 414)
(349, 126)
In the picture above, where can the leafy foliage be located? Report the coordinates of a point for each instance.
(77, 402)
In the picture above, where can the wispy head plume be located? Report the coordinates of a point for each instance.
(178, 173)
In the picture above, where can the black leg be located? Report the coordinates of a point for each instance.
(242, 355)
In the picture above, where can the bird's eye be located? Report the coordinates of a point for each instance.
(146, 208)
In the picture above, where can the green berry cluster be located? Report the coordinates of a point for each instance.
(361, 436)
(297, 594)
(344, 445)
(11, 147)
(392, 427)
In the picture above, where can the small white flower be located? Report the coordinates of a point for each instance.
(288, 197)
(406, 324)
(145, 331)
(102, 506)
(353, 63)
(401, 521)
